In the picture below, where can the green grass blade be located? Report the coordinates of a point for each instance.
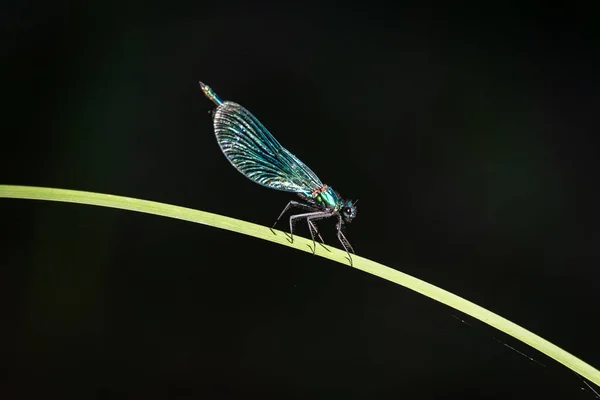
(261, 232)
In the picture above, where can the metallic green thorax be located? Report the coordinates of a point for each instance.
(329, 199)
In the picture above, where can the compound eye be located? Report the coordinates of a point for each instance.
(347, 210)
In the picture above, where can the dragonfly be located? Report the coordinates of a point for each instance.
(254, 152)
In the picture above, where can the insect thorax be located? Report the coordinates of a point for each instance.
(326, 197)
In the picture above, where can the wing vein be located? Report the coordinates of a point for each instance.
(254, 152)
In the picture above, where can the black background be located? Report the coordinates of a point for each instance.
(469, 136)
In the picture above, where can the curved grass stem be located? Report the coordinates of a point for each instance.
(300, 243)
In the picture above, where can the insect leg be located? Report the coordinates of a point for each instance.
(343, 239)
(312, 226)
(311, 215)
(291, 204)
(312, 229)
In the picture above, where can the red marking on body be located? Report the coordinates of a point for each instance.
(320, 190)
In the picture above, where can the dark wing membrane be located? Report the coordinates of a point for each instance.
(254, 152)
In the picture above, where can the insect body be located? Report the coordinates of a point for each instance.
(253, 151)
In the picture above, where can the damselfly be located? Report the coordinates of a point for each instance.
(253, 151)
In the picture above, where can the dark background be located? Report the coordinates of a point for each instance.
(469, 136)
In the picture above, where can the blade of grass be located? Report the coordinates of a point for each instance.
(363, 264)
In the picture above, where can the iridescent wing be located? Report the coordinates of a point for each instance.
(254, 152)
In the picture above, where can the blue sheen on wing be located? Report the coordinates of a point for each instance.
(253, 151)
